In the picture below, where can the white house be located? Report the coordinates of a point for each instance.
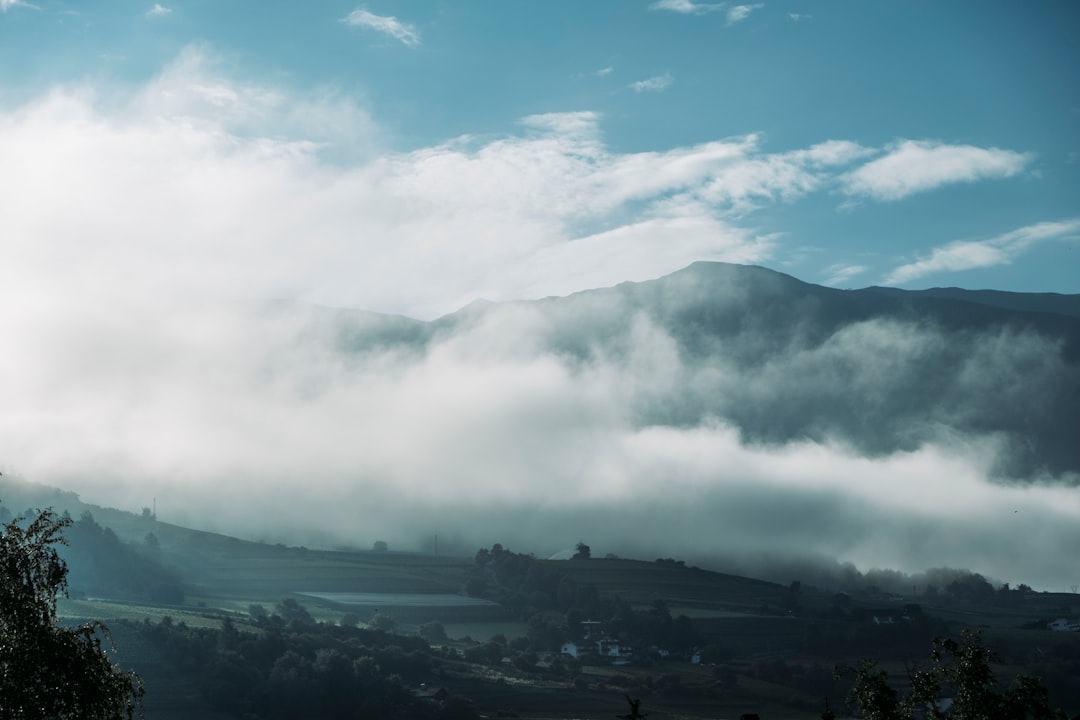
(569, 648)
(609, 647)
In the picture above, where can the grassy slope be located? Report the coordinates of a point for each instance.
(641, 583)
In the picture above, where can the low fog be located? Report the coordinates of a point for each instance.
(170, 264)
(541, 424)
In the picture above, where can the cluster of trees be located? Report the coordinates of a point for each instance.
(1059, 668)
(47, 670)
(102, 564)
(555, 604)
(293, 667)
(933, 584)
(958, 684)
(290, 667)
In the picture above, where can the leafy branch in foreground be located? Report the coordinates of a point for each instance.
(46, 670)
(958, 685)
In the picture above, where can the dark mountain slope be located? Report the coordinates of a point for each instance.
(879, 369)
(1055, 303)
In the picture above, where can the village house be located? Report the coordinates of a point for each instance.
(610, 648)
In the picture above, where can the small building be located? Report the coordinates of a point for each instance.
(609, 647)
(569, 648)
(432, 694)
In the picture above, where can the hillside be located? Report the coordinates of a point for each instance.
(768, 646)
(227, 572)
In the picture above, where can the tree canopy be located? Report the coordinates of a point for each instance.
(47, 670)
(959, 684)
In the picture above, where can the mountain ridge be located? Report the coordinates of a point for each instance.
(882, 369)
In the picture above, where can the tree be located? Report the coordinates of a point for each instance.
(434, 632)
(294, 613)
(382, 621)
(958, 685)
(584, 552)
(49, 671)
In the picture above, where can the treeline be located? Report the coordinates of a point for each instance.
(101, 564)
(555, 604)
(845, 577)
(292, 667)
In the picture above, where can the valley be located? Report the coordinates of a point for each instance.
(756, 646)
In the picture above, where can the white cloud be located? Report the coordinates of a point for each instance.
(799, 16)
(970, 254)
(6, 5)
(658, 83)
(733, 14)
(687, 7)
(139, 235)
(421, 233)
(158, 10)
(604, 72)
(840, 273)
(760, 177)
(250, 169)
(192, 90)
(738, 13)
(830, 153)
(913, 166)
(389, 25)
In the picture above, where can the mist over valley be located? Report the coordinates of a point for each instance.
(727, 414)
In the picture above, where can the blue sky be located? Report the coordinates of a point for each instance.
(914, 144)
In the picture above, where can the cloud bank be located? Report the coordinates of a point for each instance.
(280, 425)
(148, 236)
